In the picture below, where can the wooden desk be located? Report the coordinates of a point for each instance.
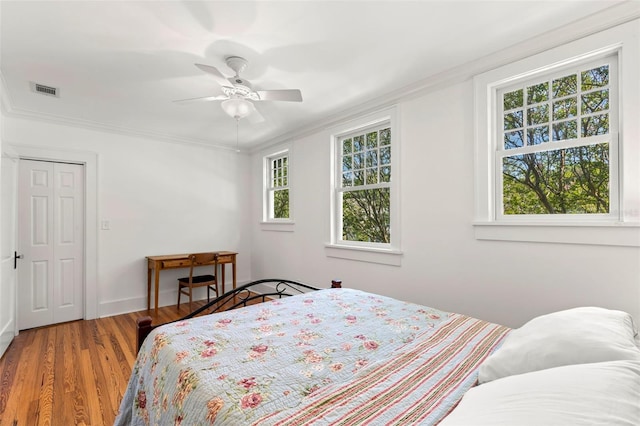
(173, 261)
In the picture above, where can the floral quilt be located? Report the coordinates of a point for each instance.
(335, 356)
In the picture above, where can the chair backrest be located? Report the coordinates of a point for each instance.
(199, 259)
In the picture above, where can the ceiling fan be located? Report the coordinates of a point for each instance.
(238, 93)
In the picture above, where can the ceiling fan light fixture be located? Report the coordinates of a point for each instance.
(237, 107)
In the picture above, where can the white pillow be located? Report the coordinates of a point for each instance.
(603, 393)
(574, 336)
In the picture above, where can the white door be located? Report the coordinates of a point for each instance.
(50, 237)
(8, 328)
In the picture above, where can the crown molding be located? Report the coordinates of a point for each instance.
(108, 128)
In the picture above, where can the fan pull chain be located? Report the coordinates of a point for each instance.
(237, 137)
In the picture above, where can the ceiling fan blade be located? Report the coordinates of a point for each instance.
(255, 117)
(201, 99)
(289, 95)
(221, 79)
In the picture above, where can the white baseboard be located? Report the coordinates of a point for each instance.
(7, 334)
(134, 304)
(166, 298)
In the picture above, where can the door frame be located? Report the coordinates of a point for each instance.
(90, 162)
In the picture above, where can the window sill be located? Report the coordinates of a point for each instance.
(278, 226)
(364, 254)
(603, 234)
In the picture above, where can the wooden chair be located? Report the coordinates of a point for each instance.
(187, 284)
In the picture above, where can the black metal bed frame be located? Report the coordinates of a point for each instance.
(236, 298)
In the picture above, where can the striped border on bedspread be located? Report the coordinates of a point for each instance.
(419, 385)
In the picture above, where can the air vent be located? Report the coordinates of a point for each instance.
(45, 90)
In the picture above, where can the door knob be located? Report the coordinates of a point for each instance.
(16, 256)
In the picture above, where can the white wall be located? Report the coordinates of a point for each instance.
(159, 197)
(443, 265)
(163, 198)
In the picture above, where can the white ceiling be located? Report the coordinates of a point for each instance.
(120, 64)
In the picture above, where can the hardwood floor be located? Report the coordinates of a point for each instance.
(73, 373)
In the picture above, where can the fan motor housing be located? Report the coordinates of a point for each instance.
(236, 63)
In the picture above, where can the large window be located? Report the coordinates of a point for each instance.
(557, 157)
(365, 185)
(557, 136)
(365, 214)
(277, 205)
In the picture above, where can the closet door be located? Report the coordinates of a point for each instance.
(9, 179)
(51, 224)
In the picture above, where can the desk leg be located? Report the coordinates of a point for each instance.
(233, 270)
(148, 286)
(157, 286)
(223, 267)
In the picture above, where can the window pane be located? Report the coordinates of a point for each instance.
(347, 163)
(595, 125)
(538, 135)
(365, 215)
(513, 120)
(538, 115)
(595, 101)
(385, 174)
(513, 139)
(281, 204)
(565, 86)
(594, 78)
(358, 177)
(385, 136)
(358, 143)
(372, 176)
(564, 181)
(347, 179)
(372, 158)
(565, 108)
(347, 147)
(358, 161)
(538, 93)
(565, 130)
(512, 100)
(385, 155)
(372, 140)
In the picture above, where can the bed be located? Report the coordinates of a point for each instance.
(344, 356)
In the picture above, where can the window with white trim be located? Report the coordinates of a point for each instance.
(556, 155)
(363, 190)
(556, 152)
(277, 196)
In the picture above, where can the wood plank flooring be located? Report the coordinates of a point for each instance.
(73, 373)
